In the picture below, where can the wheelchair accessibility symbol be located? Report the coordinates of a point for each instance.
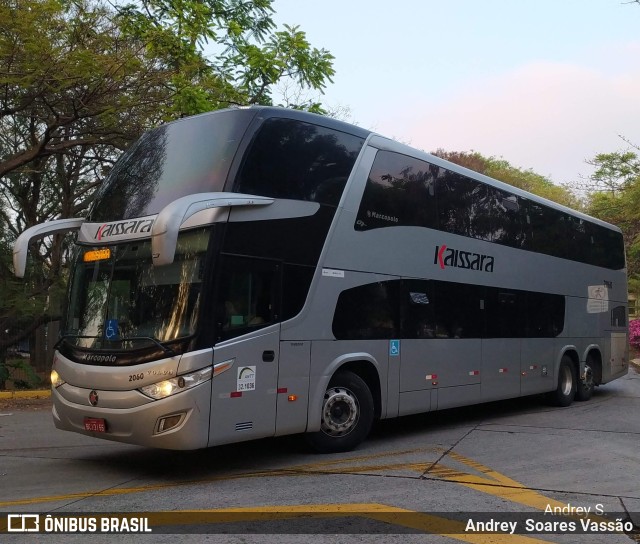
(111, 331)
(394, 348)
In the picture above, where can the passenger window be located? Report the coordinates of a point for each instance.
(550, 230)
(367, 312)
(508, 219)
(247, 295)
(461, 205)
(619, 317)
(296, 160)
(418, 320)
(543, 315)
(459, 310)
(400, 192)
(504, 313)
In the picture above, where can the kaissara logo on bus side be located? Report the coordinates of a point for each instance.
(456, 258)
(136, 226)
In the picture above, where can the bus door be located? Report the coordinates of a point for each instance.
(244, 386)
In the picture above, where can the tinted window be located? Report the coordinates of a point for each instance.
(296, 160)
(400, 191)
(504, 312)
(366, 312)
(296, 240)
(543, 315)
(295, 288)
(404, 191)
(550, 230)
(462, 205)
(438, 309)
(619, 317)
(508, 219)
(248, 295)
(418, 315)
(515, 314)
(188, 156)
(580, 241)
(607, 248)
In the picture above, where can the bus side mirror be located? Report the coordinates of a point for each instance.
(21, 245)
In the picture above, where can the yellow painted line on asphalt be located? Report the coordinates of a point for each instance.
(484, 480)
(499, 485)
(297, 470)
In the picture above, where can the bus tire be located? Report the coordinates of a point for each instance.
(586, 386)
(347, 414)
(567, 383)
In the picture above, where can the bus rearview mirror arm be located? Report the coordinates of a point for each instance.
(164, 233)
(21, 245)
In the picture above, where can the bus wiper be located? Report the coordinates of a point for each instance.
(75, 336)
(165, 349)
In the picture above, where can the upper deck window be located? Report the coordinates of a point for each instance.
(403, 191)
(189, 156)
(296, 160)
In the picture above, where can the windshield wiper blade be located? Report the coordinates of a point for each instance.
(76, 336)
(165, 349)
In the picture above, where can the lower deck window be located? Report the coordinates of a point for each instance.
(439, 309)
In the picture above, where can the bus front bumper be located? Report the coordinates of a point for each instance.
(178, 422)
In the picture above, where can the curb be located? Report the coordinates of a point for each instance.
(31, 394)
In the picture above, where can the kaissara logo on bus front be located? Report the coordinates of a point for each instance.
(136, 226)
(447, 256)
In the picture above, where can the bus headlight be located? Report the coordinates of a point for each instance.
(56, 380)
(166, 388)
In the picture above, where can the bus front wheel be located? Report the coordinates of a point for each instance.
(567, 383)
(347, 414)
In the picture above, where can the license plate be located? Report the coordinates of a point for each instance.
(95, 424)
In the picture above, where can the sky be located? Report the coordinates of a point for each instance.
(543, 84)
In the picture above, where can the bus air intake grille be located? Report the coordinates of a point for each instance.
(245, 426)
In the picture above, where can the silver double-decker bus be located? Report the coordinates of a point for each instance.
(260, 272)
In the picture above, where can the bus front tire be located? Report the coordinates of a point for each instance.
(567, 383)
(347, 414)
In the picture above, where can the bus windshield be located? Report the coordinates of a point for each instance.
(171, 161)
(119, 300)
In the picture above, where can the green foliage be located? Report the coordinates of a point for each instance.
(614, 171)
(81, 79)
(616, 199)
(224, 52)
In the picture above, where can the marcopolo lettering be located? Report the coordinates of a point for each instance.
(93, 358)
(136, 226)
(457, 258)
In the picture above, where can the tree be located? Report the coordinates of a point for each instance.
(614, 171)
(80, 80)
(74, 90)
(225, 52)
(616, 199)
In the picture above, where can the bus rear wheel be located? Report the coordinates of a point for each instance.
(347, 414)
(587, 384)
(567, 383)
